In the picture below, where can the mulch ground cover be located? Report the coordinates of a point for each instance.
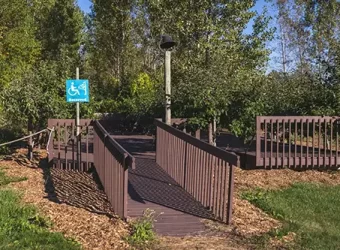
(78, 207)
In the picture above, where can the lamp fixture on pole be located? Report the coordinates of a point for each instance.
(167, 44)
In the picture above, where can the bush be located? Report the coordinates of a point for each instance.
(142, 234)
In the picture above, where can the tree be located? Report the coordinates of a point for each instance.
(60, 32)
(213, 52)
(40, 46)
(19, 49)
(312, 36)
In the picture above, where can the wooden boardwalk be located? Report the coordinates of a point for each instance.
(149, 187)
(178, 213)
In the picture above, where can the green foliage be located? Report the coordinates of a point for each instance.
(142, 235)
(22, 228)
(218, 69)
(4, 179)
(60, 33)
(213, 56)
(19, 49)
(309, 210)
(39, 45)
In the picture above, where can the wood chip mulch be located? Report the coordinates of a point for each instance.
(79, 208)
(281, 178)
(76, 205)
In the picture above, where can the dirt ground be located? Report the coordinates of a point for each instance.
(92, 230)
(79, 209)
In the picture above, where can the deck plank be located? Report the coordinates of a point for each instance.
(178, 213)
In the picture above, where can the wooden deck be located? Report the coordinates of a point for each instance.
(150, 187)
(278, 154)
(178, 213)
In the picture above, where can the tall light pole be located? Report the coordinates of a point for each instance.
(167, 44)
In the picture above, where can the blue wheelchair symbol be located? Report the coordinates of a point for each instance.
(77, 91)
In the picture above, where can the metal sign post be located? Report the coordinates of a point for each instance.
(77, 91)
(78, 128)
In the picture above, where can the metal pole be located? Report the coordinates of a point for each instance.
(78, 129)
(168, 87)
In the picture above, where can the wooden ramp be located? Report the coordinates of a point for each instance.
(150, 187)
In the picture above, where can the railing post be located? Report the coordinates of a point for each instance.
(198, 134)
(258, 140)
(51, 142)
(125, 187)
(104, 165)
(185, 166)
(157, 146)
(230, 194)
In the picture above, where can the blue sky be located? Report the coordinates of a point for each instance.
(85, 5)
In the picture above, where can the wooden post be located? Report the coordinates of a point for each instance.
(168, 87)
(214, 132)
(30, 147)
(210, 134)
(30, 140)
(198, 134)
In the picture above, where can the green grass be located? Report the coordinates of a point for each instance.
(311, 211)
(4, 180)
(20, 225)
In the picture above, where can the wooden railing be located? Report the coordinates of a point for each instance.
(112, 162)
(203, 170)
(297, 141)
(62, 147)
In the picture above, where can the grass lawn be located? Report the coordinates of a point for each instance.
(311, 211)
(20, 225)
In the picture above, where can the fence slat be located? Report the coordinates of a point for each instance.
(295, 142)
(271, 143)
(277, 143)
(58, 138)
(283, 144)
(331, 146)
(301, 143)
(66, 145)
(289, 142)
(319, 144)
(307, 142)
(325, 148)
(265, 144)
(320, 131)
(337, 143)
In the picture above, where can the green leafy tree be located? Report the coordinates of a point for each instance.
(214, 60)
(19, 48)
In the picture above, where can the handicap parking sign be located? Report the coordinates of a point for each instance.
(77, 91)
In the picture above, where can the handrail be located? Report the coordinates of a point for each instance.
(116, 145)
(231, 157)
(299, 118)
(82, 122)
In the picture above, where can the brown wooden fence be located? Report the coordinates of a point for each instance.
(203, 170)
(63, 144)
(297, 141)
(112, 162)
